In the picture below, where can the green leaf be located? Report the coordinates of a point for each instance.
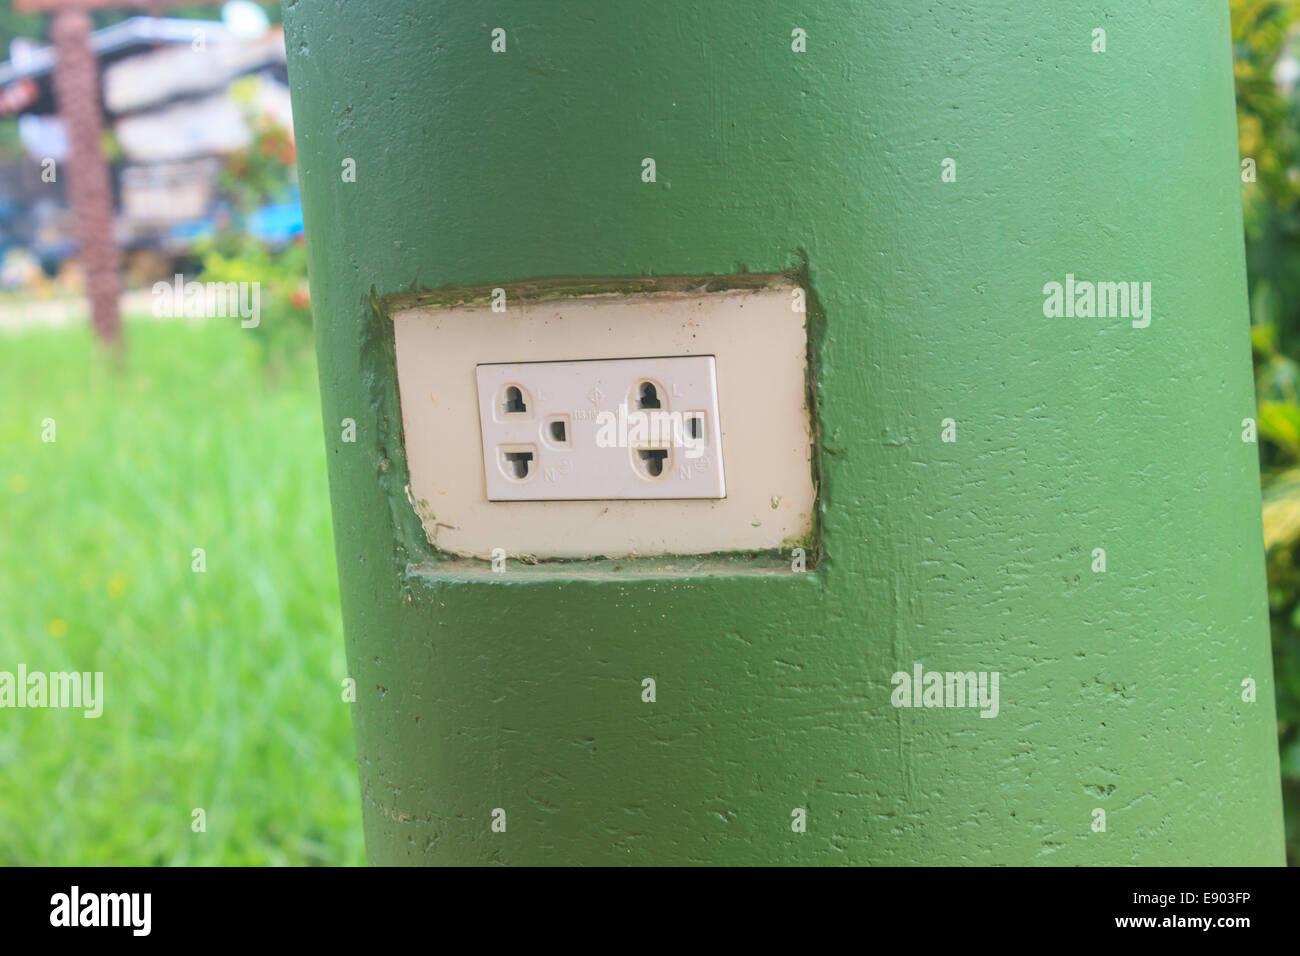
(1279, 422)
(1282, 509)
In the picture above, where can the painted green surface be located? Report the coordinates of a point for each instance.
(1119, 690)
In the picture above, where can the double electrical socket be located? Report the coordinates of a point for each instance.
(507, 448)
(618, 429)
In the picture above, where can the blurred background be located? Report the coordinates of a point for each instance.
(223, 685)
(175, 533)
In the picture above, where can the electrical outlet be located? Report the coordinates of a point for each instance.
(601, 429)
(527, 471)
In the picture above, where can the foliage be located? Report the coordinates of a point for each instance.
(222, 689)
(1279, 432)
(260, 174)
(280, 275)
(1269, 134)
(264, 170)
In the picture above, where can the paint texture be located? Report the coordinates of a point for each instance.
(522, 691)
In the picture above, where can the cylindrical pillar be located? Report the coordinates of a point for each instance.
(1019, 228)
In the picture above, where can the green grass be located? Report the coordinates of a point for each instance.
(222, 689)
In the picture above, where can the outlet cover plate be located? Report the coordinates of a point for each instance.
(758, 343)
(619, 429)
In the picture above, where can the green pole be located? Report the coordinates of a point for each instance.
(1010, 483)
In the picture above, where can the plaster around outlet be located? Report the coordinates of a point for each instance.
(759, 345)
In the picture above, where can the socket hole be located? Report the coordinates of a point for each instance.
(555, 432)
(695, 426)
(518, 463)
(514, 403)
(652, 461)
(647, 395)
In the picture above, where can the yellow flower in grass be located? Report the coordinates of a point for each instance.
(117, 585)
(57, 627)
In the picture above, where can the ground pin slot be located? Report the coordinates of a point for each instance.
(652, 460)
(518, 463)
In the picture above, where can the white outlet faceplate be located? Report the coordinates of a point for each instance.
(615, 429)
(739, 356)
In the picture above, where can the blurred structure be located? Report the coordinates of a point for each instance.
(176, 98)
